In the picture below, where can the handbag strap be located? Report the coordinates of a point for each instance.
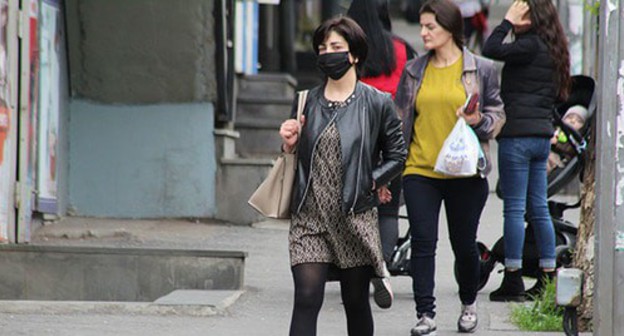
(303, 96)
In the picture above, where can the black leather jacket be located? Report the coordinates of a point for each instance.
(367, 126)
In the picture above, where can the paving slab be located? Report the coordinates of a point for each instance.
(219, 299)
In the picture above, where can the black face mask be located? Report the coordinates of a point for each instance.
(335, 65)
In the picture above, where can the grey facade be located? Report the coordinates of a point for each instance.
(141, 110)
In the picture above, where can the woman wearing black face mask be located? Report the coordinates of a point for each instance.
(345, 124)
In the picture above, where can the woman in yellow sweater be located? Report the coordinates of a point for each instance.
(430, 97)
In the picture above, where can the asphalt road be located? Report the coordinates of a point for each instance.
(265, 306)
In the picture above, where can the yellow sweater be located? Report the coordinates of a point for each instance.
(440, 95)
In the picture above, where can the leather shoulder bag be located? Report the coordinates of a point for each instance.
(272, 198)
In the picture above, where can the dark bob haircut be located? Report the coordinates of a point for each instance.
(349, 30)
(447, 15)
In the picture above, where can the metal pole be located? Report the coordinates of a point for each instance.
(220, 19)
(609, 243)
(590, 40)
(268, 51)
(287, 19)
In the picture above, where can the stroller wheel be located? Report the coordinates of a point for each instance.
(486, 265)
(564, 256)
(400, 261)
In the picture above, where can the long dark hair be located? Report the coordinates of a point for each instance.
(380, 59)
(545, 21)
(447, 15)
(384, 14)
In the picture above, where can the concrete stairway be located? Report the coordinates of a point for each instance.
(264, 101)
(246, 153)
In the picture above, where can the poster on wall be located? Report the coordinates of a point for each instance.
(6, 114)
(29, 102)
(49, 100)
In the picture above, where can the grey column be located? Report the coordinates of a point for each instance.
(609, 243)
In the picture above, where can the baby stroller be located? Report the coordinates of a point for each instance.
(582, 93)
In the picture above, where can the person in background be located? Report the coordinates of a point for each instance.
(430, 99)
(383, 72)
(535, 78)
(339, 181)
(473, 15)
(379, 70)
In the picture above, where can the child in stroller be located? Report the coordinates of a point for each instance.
(559, 176)
(562, 150)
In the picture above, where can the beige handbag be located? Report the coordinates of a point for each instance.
(272, 198)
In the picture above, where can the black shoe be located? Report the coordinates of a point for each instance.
(382, 292)
(511, 290)
(536, 290)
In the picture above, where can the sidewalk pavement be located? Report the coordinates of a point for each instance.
(264, 307)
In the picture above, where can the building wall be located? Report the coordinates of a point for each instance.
(141, 161)
(142, 51)
(141, 112)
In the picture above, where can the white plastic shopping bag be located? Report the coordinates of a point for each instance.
(460, 152)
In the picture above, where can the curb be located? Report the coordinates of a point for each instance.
(181, 308)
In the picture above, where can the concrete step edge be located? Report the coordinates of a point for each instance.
(271, 77)
(266, 100)
(258, 123)
(116, 307)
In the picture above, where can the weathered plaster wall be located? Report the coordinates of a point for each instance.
(141, 161)
(141, 113)
(142, 51)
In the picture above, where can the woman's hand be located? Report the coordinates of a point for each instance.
(289, 131)
(472, 118)
(384, 194)
(517, 15)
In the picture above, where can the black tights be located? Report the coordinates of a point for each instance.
(309, 291)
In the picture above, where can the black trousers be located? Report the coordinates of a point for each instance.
(388, 218)
(464, 199)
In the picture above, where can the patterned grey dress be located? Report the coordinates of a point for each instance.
(321, 232)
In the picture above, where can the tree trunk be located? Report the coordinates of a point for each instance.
(584, 251)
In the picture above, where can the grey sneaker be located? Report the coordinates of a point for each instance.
(425, 326)
(382, 292)
(467, 322)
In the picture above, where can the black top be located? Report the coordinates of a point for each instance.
(528, 86)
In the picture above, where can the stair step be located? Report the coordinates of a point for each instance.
(269, 77)
(308, 80)
(264, 99)
(259, 142)
(267, 85)
(263, 111)
(249, 122)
